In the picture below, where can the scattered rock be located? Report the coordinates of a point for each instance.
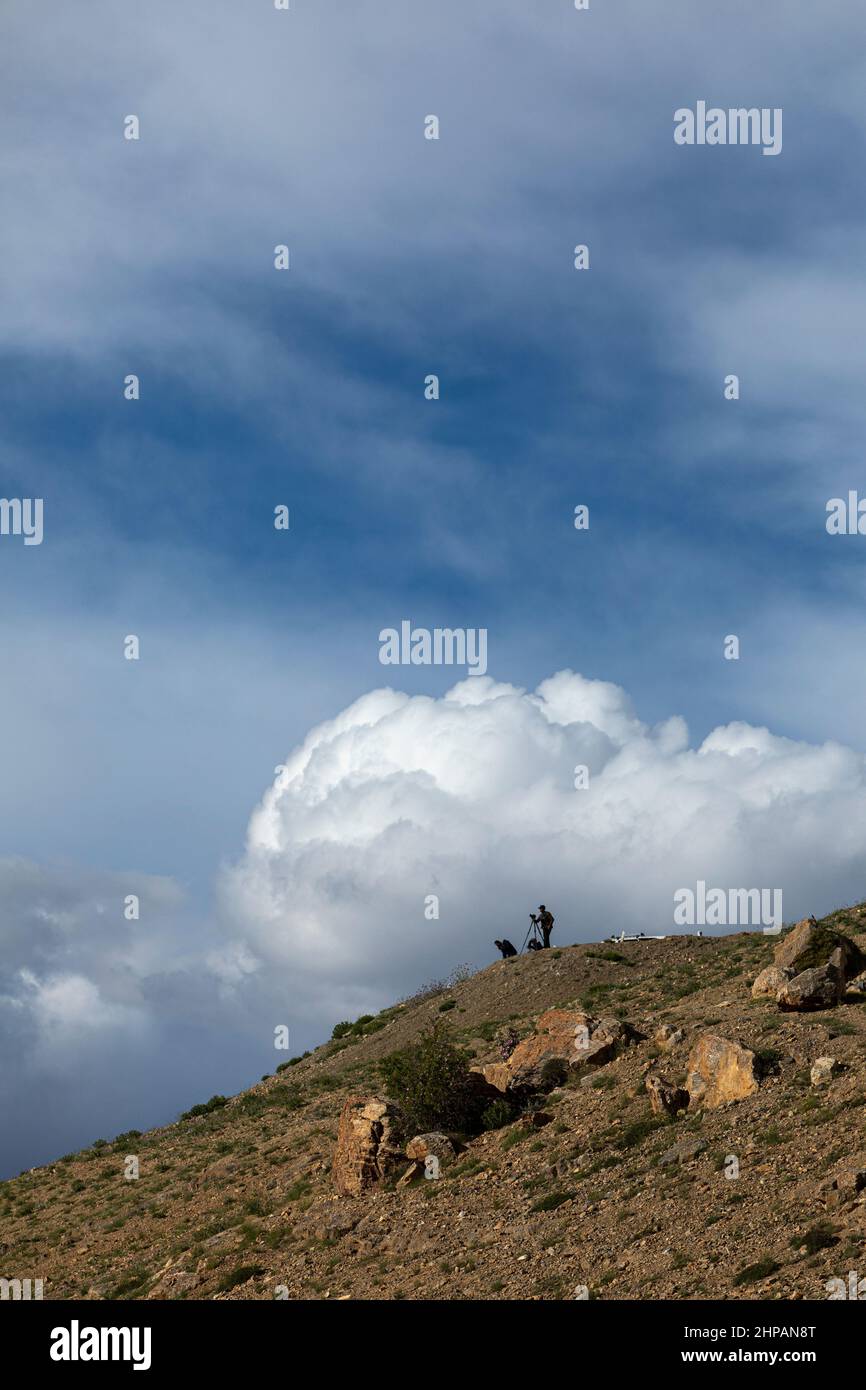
(820, 987)
(333, 1225)
(412, 1173)
(720, 1071)
(367, 1149)
(438, 1145)
(536, 1119)
(846, 1186)
(561, 1035)
(823, 1071)
(685, 1150)
(770, 981)
(567, 1039)
(666, 1098)
(172, 1283)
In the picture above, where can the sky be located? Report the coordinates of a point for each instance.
(301, 901)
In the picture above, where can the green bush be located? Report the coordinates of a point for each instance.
(497, 1114)
(552, 1201)
(239, 1276)
(430, 1081)
(215, 1103)
(753, 1274)
(820, 1237)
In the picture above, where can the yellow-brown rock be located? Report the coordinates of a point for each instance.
(720, 1071)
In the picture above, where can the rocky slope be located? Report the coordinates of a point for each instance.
(755, 1197)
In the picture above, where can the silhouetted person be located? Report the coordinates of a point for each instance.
(506, 948)
(534, 945)
(545, 921)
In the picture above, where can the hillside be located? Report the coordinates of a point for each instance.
(239, 1201)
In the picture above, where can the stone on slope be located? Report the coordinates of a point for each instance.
(685, 1150)
(720, 1071)
(566, 1040)
(367, 1148)
(820, 987)
(435, 1145)
(666, 1037)
(823, 1071)
(666, 1098)
(496, 1074)
(810, 944)
(850, 1183)
(770, 981)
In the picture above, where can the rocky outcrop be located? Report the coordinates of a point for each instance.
(368, 1147)
(720, 1071)
(564, 1041)
(818, 988)
(810, 945)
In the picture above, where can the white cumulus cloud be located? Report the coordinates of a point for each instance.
(472, 797)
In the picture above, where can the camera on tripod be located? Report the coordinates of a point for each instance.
(533, 940)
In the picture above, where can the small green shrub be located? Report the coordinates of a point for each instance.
(215, 1103)
(497, 1114)
(239, 1276)
(754, 1273)
(430, 1081)
(820, 1237)
(552, 1201)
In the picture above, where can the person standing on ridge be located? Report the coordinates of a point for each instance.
(545, 921)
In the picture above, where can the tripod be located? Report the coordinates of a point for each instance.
(534, 931)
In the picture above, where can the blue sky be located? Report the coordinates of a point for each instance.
(306, 388)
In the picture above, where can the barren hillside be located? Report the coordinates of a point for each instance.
(596, 1190)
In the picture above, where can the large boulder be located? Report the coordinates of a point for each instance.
(368, 1147)
(495, 1074)
(818, 988)
(770, 981)
(811, 944)
(564, 1041)
(720, 1071)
